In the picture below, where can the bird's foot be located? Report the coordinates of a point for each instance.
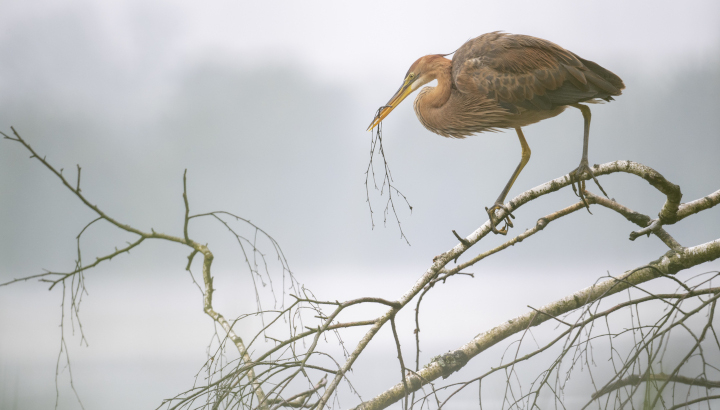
(577, 175)
(494, 221)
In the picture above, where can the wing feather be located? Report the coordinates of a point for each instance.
(529, 73)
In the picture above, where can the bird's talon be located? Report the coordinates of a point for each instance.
(497, 231)
(577, 175)
(585, 202)
(600, 186)
(494, 222)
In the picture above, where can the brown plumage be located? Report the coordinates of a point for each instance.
(501, 80)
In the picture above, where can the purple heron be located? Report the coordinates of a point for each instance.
(501, 80)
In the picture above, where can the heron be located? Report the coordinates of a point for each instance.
(501, 81)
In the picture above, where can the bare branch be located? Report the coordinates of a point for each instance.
(87, 203)
(288, 351)
(299, 399)
(187, 211)
(541, 224)
(698, 400)
(400, 358)
(376, 143)
(59, 277)
(637, 379)
(693, 207)
(669, 263)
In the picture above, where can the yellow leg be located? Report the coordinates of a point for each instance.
(523, 160)
(501, 199)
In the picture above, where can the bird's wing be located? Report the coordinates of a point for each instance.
(526, 72)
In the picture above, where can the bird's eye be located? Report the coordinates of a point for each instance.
(411, 76)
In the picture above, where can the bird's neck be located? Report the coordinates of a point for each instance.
(432, 104)
(439, 95)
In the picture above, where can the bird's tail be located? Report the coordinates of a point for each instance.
(604, 77)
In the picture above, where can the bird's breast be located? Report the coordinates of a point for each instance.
(461, 114)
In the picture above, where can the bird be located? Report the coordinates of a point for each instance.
(501, 81)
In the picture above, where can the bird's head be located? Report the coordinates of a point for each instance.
(420, 73)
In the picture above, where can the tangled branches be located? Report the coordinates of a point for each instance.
(649, 361)
(661, 348)
(387, 182)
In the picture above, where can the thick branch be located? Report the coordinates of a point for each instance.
(668, 213)
(650, 225)
(670, 263)
(698, 205)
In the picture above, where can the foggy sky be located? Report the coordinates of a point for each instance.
(267, 111)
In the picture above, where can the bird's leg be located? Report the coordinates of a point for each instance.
(577, 174)
(501, 199)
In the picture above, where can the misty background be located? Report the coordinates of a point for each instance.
(266, 105)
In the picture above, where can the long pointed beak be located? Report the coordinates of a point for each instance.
(396, 99)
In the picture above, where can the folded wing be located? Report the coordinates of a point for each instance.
(527, 73)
